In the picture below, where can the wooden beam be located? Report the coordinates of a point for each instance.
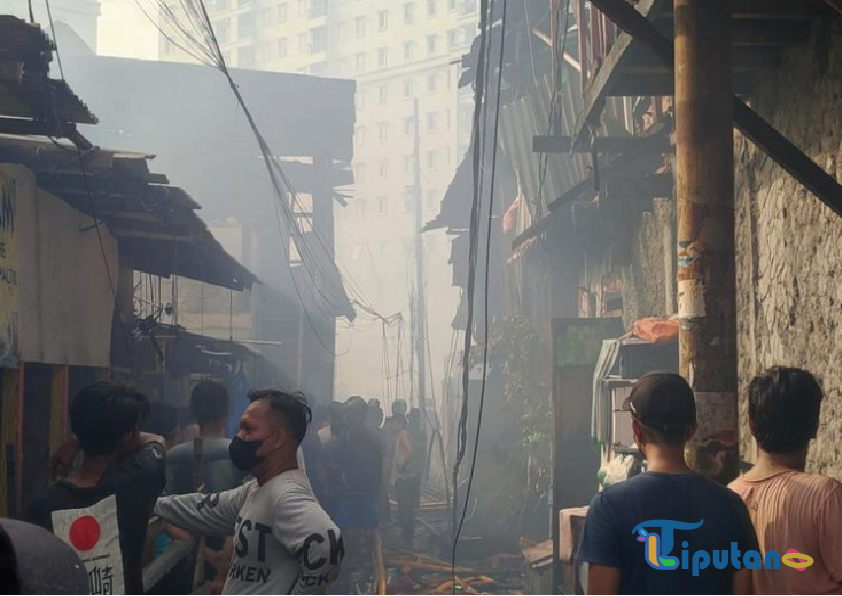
(746, 120)
(835, 5)
(651, 186)
(143, 235)
(647, 144)
(59, 398)
(595, 93)
(663, 84)
(23, 126)
(772, 9)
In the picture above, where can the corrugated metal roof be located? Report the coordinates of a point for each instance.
(156, 224)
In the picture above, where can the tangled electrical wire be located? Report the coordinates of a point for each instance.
(480, 144)
(186, 24)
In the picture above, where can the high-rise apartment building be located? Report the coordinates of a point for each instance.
(397, 51)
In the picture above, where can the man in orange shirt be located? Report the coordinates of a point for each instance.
(790, 508)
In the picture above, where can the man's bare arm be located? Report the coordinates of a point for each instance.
(741, 582)
(603, 579)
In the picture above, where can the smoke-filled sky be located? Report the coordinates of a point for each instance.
(124, 31)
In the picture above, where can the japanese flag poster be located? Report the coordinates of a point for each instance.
(95, 536)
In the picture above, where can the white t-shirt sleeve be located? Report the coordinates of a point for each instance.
(307, 532)
(208, 514)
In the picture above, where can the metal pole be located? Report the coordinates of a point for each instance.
(705, 185)
(420, 307)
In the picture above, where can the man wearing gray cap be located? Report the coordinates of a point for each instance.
(638, 530)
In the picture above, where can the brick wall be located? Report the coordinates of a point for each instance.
(789, 245)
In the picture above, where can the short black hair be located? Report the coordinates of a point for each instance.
(102, 414)
(209, 402)
(162, 419)
(783, 408)
(291, 406)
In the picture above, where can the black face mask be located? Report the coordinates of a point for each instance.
(243, 454)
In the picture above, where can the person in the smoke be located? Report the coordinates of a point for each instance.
(284, 542)
(362, 472)
(400, 454)
(107, 501)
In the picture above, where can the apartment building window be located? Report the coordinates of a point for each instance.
(432, 160)
(223, 30)
(451, 5)
(408, 50)
(318, 8)
(467, 6)
(361, 95)
(319, 69)
(448, 79)
(408, 13)
(447, 117)
(431, 7)
(431, 44)
(302, 8)
(245, 57)
(448, 156)
(359, 173)
(302, 43)
(382, 206)
(342, 31)
(408, 200)
(382, 57)
(432, 82)
(282, 47)
(407, 164)
(409, 88)
(266, 17)
(470, 32)
(431, 199)
(407, 126)
(222, 5)
(360, 62)
(382, 94)
(383, 132)
(359, 137)
(264, 52)
(360, 25)
(432, 121)
(245, 26)
(242, 3)
(452, 38)
(282, 13)
(383, 168)
(383, 20)
(318, 40)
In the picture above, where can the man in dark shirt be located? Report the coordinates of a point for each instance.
(642, 536)
(102, 510)
(209, 405)
(358, 501)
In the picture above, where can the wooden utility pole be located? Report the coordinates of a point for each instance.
(705, 186)
(419, 302)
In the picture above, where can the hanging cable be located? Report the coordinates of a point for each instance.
(471, 289)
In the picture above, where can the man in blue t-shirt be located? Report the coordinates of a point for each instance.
(641, 536)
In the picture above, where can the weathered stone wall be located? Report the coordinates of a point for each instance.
(645, 288)
(789, 245)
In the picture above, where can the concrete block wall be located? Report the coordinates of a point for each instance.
(789, 245)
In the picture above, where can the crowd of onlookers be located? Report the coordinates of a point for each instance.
(130, 459)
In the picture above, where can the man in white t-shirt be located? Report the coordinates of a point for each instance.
(284, 542)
